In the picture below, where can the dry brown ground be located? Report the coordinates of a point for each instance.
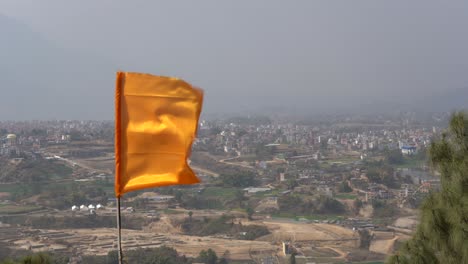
(407, 222)
(282, 231)
(366, 211)
(384, 246)
(97, 164)
(99, 241)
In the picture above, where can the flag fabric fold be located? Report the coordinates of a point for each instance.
(156, 123)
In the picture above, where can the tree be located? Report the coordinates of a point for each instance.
(357, 205)
(292, 259)
(365, 239)
(208, 256)
(238, 179)
(38, 258)
(383, 174)
(394, 157)
(225, 258)
(178, 196)
(263, 152)
(442, 235)
(344, 187)
(383, 208)
(291, 184)
(239, 197)
(161, 255)
(190, 213)
(250, 212)
(112, 257)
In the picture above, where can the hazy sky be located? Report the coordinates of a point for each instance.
(244, 54)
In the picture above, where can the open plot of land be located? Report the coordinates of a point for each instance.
(99, 241)
(384, 246)
(317, 242)
(408, 222)
(282, 231)
(98, 164)
(18, 209)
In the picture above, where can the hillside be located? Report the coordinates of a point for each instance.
(27, 171)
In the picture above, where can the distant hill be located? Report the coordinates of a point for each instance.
(35, 73)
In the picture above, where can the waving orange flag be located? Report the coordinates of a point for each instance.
(156, 123)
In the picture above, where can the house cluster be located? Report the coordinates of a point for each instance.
(23, 138)
(237, 139)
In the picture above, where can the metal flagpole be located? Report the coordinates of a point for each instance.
(119, 235)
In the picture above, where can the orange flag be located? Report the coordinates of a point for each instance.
(156, 123)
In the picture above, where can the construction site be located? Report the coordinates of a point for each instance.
(310, 242)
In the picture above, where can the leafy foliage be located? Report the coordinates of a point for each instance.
(365, 239)
(383, 174)
(240, 179)
(442, 235)
(160, 255)
(250, 211)
(37, 258)
(383, 208)
(357, 205)
(263, 152)
(208, 256)
(394, 157)
(344, 187)
(292, 259)
(200, 202)
(223, 225)
(320, 205)
(29, 170)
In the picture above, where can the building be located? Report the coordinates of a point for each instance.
(11, 140)
(408, 150)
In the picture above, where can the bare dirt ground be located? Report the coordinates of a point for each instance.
(267, 204)
(97, 164)
(384, 246)
(205, 171)
(333, 240)
(100, 241)
(282, 231)
(366, 211)
(407, 222)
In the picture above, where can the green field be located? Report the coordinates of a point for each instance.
(344, 160)
(24, 187)
(267, 194)
(226, 193)
(171, 211)
(412, 162)
(10, 188)
(308, 217)
(13, 209)
(367, 262)
(107, 186)
(348, 196)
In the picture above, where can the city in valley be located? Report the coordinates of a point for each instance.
(331, 189)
